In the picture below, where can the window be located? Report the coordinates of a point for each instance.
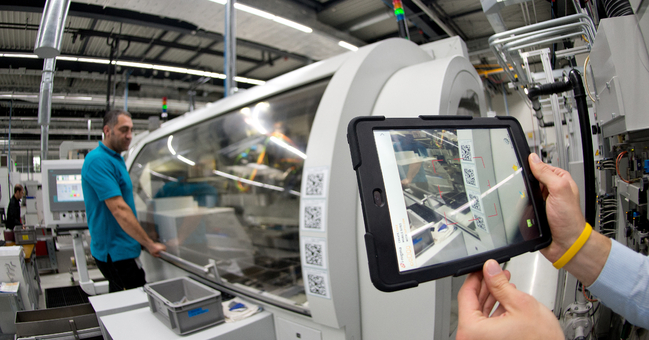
(228, 189)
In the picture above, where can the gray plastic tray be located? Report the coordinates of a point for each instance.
(185, 305)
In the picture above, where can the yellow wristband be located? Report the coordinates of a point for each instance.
(572, 251)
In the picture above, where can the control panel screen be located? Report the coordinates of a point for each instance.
(68, 188)
(64, 186)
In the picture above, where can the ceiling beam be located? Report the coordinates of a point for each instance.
(166, 49)
(158, 42)
(95, 76)
(92, 26)
(463, 14)
(151, 46)
(330, 4)
(198, 54)
(141, 19)
(421, 24)
(260, 65)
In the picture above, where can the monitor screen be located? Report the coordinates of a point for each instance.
(65, 190)
(68, 188)
(453, 193)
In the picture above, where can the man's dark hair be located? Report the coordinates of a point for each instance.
(17, 188)
(110, 119)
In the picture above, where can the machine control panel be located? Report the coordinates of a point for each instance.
(75, 217)
(63, 204)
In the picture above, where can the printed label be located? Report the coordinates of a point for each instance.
(198, 311)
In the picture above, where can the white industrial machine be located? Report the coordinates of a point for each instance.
(65, 212)
(277, 157)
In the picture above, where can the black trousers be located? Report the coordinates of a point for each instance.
(121, 275)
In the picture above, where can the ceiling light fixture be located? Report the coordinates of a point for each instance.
(292, 24)
(347, 45)
(269, 16)
(254, 11)
(144, 66)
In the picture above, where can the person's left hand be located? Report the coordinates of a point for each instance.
(519, 315)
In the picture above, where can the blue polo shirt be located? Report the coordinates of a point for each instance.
(104, 176)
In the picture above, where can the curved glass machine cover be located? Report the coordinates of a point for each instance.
(227, 189)
(442, 194)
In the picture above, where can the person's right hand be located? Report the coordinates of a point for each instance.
(562, 207)
(519, 316)
(155, 248)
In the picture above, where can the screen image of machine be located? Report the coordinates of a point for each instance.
(65, 186)
(453, 193)
(68, 188)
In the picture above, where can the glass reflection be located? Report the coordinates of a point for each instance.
(228, 189)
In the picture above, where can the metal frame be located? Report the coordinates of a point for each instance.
(505, 44)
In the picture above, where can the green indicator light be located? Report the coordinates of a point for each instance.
(398, 11)
(529, 223)
(164, 107)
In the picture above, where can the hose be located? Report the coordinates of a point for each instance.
(617, 8)
(576, 84)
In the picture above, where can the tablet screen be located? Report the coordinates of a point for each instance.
(453, 193)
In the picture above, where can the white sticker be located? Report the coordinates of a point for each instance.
(466, 150)
(474, 201)
(313, 215)
(317, 282)
(480, 222)
(314, 182)
(470, 175)
(314, 252)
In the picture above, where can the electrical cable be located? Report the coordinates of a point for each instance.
(617, 166)
(586, 79)
(583, 290)
(607, 215)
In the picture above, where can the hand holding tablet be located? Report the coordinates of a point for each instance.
(442, 194)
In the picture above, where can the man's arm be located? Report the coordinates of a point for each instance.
(126, 219)
(413, 169)
(567, 223)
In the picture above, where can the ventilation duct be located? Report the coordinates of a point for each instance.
(50, 32)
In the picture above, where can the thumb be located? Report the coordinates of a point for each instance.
(498, 284)
(543, 172)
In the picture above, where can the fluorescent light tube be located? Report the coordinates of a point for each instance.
(347, 45)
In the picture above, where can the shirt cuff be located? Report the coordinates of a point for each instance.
(620, 263)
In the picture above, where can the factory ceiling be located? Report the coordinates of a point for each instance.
(171, 48)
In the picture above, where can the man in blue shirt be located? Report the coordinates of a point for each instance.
(108, 196)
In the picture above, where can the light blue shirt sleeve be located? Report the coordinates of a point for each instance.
(623, 285)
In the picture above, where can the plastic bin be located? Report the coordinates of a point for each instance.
(185, 305)
(25, 236)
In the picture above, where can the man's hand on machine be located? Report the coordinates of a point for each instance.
(155, 248)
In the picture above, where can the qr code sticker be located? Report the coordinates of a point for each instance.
(313, 215)
(479, 222)
(313, 254)
(475, 201)
(469, 177)
(317, 284)
(466, 152)
(315, 184)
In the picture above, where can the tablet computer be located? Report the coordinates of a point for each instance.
(443, 194)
